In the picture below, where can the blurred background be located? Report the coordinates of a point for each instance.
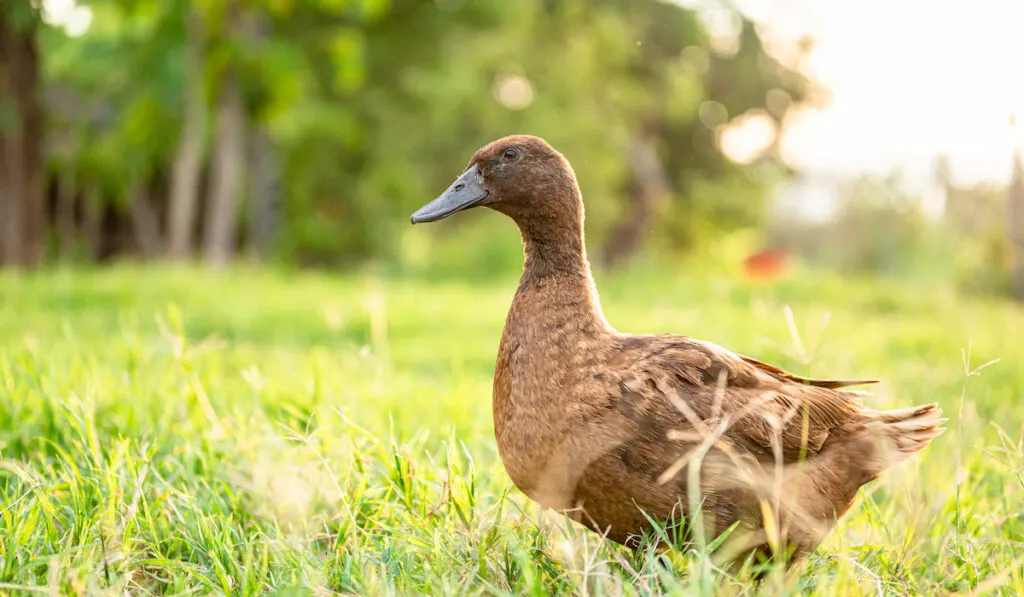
(875, 137)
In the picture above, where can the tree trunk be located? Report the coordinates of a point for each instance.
(67, 231)
(265, 189)
(221, 222)
(21, 183)
(1015, 220)
(648, 188)
(184, 195)
(145, 223)
(92, 222)
(265, 171)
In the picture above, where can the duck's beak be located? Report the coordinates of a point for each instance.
(467, 191)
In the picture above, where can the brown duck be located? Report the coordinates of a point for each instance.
(616, 429)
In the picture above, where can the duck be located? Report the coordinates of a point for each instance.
(658, 435)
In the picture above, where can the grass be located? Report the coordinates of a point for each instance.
(170, 431)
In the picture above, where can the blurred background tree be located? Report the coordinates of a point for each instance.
(306, 131)
(21, 128)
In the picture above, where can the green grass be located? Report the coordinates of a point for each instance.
(170, 431)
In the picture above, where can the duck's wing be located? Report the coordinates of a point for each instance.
(701, 387)
(782, 374)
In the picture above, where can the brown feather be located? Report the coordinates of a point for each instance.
(833, 384)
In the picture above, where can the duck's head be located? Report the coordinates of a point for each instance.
(520, 176)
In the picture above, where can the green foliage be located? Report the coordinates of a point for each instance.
(22, 15)
(376, 104)
(171, 431)
(116, 95)
(976, 219)
(878, 229)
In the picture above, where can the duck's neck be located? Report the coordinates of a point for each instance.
(556, 274)
(553, 249)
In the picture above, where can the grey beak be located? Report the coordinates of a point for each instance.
(467, 191)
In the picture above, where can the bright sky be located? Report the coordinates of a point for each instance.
(909, 79)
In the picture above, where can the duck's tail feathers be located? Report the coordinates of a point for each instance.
(909, 430)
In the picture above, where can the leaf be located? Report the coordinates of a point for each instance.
(335, 7)
(347, 56)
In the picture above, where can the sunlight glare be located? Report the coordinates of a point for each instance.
(747, 137)
(73, 18)
(513, 91)
(907, 81)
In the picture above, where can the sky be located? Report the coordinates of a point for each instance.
(907, 80)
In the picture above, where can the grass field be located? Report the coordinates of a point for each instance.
(170, 431)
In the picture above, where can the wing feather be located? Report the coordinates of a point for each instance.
(767, 407)
(832, 384)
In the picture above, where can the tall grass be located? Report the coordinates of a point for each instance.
(169, 431)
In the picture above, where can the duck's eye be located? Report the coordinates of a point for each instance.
(511, 153)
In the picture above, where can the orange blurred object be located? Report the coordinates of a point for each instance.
(766, 264)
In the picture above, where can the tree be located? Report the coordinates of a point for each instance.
(21, 132)
(221, 220)
(184, 193)
(321, 123)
